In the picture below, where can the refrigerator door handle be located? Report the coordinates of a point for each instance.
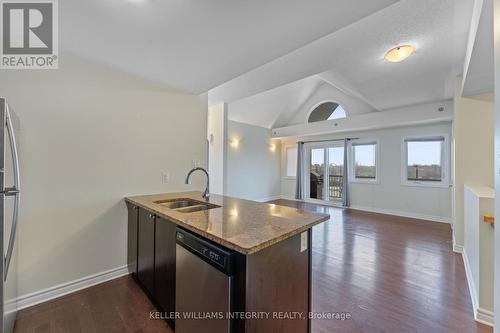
(10, 191)
(13, 191)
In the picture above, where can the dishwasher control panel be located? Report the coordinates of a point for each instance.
(209, 252)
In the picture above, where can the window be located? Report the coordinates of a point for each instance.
(327, 111)
(365, 160)
(291, 161)
(425, 160)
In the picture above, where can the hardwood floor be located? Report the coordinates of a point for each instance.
(391, 274)
(116, 306)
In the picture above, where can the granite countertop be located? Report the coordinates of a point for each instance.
(241, 225)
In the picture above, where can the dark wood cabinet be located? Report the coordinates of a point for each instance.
(133, 216)
(146, 250)
(155, 239)
(257, 279)
(165, 265)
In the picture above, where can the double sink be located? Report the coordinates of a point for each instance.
(186, 205)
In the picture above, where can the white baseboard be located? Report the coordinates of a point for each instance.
(440, 219)
(276, 197)
(481, 315)
(432, 218)
(458, 248)
(484, 317)
(470, 281)
(284, 197)
(45, 295)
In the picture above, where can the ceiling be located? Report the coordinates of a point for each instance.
(352, 61)
(197, 45)
(478, 73)
(266, 109)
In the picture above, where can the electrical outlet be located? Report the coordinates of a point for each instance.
(303, 241)
(195, 163)
(165, 178)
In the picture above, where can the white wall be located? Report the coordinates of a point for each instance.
(389, 195)
(217, 141)
(90, 136)
(478, 252)
(472, 144)
(253, 167)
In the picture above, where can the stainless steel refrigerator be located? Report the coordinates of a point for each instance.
(9, 214)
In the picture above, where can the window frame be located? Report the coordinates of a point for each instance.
(352, 161)
(286, 176)
(445, 161)
(330, 120)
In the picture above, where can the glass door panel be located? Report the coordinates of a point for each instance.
(316, 174)
(335, 173)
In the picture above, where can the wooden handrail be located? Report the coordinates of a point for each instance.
(490, 219)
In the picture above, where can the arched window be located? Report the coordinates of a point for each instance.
(327, 111)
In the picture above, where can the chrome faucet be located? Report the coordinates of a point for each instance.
(206, 193)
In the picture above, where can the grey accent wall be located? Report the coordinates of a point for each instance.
(253, 168)
(389, 195)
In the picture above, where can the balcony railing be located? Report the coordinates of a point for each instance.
(335, 185)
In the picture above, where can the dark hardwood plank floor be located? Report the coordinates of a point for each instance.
(391, 274)
(116, 306)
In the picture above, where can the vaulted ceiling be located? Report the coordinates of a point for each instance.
(351, 60)
(269, 59)
(195, 45)
(478, 77)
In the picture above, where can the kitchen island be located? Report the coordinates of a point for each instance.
(263, 249)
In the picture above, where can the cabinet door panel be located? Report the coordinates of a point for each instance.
(165, 264)
(146, 250)
(132, 238)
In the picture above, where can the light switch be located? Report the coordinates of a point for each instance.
(165, 177)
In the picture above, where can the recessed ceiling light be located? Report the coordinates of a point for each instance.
(399, 53)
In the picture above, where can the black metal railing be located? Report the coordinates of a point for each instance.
(335, 186)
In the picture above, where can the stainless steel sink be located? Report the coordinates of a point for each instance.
(197, 208)
(178, 203)
(185, 205)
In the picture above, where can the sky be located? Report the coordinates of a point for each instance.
(364, 155)
(339, 112)
(422, 153)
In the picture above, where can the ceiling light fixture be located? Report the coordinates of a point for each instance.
(399, 53)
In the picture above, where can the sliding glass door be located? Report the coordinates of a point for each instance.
(317, 174)
(324, 179)
(335, 173)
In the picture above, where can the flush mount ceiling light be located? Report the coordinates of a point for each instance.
(399, 53)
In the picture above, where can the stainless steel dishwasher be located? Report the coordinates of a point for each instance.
(203, 285)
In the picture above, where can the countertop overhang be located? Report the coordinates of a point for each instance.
(241, 225)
